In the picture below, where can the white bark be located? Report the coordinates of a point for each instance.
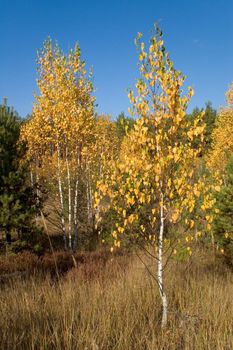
(32, 179)
(61, 195)
(37, 193)
(76, 201)
(97, 210)
(160, 266)
(37, 189)
(76, 214)
(89, 200)
(69, 201)
(32, 184)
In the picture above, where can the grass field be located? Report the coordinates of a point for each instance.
(116, 305)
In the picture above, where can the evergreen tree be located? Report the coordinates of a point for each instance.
(123, 123)
(18, 203)
(209, 118)
(223, 219)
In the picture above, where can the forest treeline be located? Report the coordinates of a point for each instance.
(54, 160)
(159, 180)
(53, 163)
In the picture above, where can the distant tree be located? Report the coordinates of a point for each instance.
(223, 213)
(222, 144)
(18, 202)
(123, 123)
(106, 146)
(209, 117)
(220, 163)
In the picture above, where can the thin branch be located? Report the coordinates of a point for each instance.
(149, 271)
(147, 251)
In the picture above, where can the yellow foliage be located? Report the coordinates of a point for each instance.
(222, 136)
(154, 169)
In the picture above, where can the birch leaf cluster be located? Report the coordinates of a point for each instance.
(222, 146)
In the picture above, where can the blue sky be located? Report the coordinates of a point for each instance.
(198, 35)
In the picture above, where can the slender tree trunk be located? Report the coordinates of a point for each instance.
(76, 201)
(32, 184)
(89, 204)
(160, 266)
(32, 179)
(69, 201)
(37, 196)
(97, 210)
(92, 214)
(76, 214)
(61, 195)
(37, 215)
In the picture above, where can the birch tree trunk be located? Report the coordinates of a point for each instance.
(37, 215)
(32, 179)
(61, 195)
(32, 184)
(92, 219)
(76, 214)
(75, 245)
(89, 200)
(160, 266)
(69, 201)
(37, 195)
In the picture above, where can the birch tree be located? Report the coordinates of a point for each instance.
(153, 182)
(60, 129)
(220, 163)
(222, 145)
(106, 146)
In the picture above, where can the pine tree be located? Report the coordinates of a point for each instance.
(122, 122)
(223, 214)
(18, 202)
(209, 117)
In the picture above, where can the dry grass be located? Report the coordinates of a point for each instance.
(118, 307)
(63, 261)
